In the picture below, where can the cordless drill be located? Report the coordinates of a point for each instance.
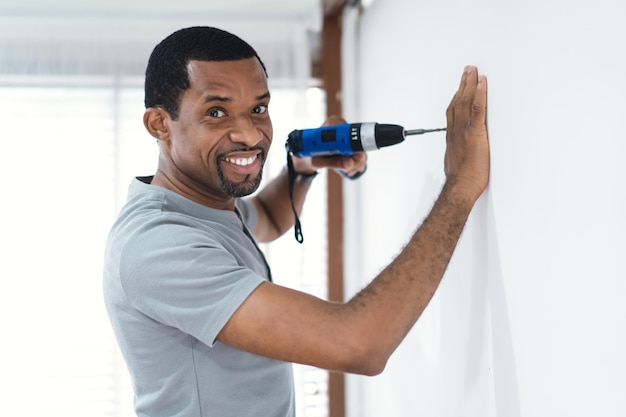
(348, 139)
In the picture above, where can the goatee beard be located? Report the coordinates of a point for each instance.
(241, 189)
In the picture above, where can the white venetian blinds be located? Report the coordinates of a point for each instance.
(72, 137)
(59, 173)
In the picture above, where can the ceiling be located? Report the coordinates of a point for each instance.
(257, 21)
(223, 9)
(284, 32)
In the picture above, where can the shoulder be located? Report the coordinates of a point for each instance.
(248, 211)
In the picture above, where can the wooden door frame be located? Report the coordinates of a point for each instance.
(331, 81)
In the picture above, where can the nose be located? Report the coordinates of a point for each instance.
(245, 131)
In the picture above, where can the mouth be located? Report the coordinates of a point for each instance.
(244, 162)
(241, 161)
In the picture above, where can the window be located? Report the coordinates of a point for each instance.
(70, 148)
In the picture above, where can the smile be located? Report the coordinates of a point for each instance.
(242, 161)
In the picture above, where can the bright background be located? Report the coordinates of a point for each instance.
(71, 105)
(530, 319)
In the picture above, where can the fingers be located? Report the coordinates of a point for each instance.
(334, 162)
(479, 105)
(349, 164)
(469, 102)
(450, 110)
(334, 120)
(467, 151)
(356, 165)
(465, 100)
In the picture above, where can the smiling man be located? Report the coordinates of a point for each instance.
(215, 149)
(202, 328)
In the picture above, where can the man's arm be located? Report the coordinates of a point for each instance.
(273, 202)
(360, 335)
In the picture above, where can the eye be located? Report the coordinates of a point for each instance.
(216, 113)
(260, 109)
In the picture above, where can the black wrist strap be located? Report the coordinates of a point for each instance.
(291, 174)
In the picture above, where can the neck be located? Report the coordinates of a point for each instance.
(195, 194)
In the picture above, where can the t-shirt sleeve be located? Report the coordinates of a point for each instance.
(194, 284)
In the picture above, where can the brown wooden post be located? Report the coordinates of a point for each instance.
(331, 79)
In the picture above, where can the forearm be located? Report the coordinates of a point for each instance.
(394, 301)
(391, 304)
(360, 335)
(275, 206)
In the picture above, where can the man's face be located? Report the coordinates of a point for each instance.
(222, 136)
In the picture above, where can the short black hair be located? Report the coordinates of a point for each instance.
(166, 73)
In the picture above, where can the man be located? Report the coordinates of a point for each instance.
(201, 326)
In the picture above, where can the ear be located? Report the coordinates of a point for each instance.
(156, 121)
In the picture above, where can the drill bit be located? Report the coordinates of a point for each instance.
(422, 131)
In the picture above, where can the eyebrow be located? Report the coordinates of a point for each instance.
(223, 99)
(263, 96)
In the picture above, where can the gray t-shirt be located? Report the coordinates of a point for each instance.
(175, 271)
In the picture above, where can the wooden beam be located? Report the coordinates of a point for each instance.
(331, 79)
(333, 7)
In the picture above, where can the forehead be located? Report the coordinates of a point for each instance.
(227, 77)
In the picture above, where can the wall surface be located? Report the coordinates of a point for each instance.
(530, 319)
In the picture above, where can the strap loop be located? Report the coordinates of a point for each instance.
(291, 173)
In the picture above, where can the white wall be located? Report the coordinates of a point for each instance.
(530, 319)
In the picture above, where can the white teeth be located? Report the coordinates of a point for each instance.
(241, 161)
